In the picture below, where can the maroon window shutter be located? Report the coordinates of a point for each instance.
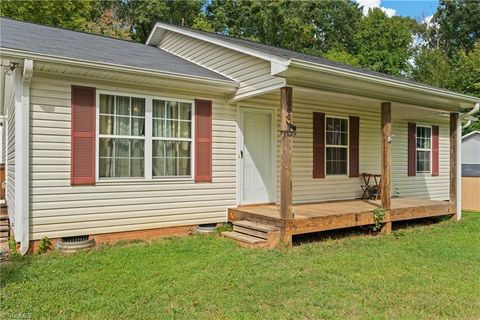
(203, 141)
(82, 171)
(412, 149)
(318, 145)
(353, 149)
(435, 151)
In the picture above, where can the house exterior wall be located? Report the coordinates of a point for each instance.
(307, 189)
(471, 149)
(58, 209)
(254, 74)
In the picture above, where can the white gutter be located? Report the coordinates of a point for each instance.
(20, 54)
(22, 156)
(469, 116)
(383, 81)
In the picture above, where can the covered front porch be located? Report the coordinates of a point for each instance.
(331, 215)
(308, 198)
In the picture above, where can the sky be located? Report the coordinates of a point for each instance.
(417, 9)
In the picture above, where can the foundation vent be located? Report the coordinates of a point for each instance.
(75, 244)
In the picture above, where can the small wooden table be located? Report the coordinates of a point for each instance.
(371, 191)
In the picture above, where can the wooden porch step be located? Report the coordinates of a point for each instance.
(254, 226)
(245, 239)
(254, 234)
(4, 227)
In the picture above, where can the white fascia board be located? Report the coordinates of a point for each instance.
(226, 44)
(113, 67)
(277, 68)
(251, 94)
(383, 81)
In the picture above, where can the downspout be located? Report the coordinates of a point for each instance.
(458, 202)
(469, 116)
(22, 156)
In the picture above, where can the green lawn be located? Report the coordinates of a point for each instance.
(425, 272)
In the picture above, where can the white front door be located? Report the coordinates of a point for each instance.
(257, 157)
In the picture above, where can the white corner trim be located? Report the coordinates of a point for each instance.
(22, 157)
(458, 204)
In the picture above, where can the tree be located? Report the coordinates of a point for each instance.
(109, 24)
(385, 44)
(68, 14)
(455, 26)
(142, 15)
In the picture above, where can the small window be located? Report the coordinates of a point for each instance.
(172, 138)
(424, 148)
(336, 136)
(121, 136)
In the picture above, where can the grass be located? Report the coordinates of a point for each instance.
(426, 272)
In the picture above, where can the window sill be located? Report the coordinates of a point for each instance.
(138, 181)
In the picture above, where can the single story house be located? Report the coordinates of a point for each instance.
(471, 171)
(113, 139)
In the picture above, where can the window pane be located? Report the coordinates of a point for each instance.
(158, 167)
(158, 148)
(184, 149)
(138, 126)
(171, 149)
(122, 148)
(171, 166)
(106, 103)
(105, 147)
(336, 161)
(158, 128)
(158, 109)
(122, 126)
(337, 132)
(137, 148)
(123, 106)
(184, 167)
(171, 129)
(423, 161)
(138, 107)
(137, 168)
(122, 167)
(106, 124)
(330, 135)
(172, 110)
(185, 129)
(185, 111)
(106, 167)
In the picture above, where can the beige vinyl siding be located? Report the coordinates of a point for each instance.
(307, 189)
(254, 74)
(57, 209)
(10, 144)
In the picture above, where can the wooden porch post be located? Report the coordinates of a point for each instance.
(286, 212)
(386, 120)
(453, 164)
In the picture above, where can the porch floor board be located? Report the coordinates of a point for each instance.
(322, 216)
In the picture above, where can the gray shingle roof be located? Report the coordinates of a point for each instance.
(290, 54)
(63, 43)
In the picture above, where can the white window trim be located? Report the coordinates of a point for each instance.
(148, 139)
(423, 149)
(337, 146)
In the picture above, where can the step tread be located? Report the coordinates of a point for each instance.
(255, 226)
(243, 237)
(251, 232)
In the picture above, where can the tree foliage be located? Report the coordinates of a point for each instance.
(444, 52)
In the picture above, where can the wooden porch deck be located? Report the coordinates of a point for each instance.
(322, 216)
